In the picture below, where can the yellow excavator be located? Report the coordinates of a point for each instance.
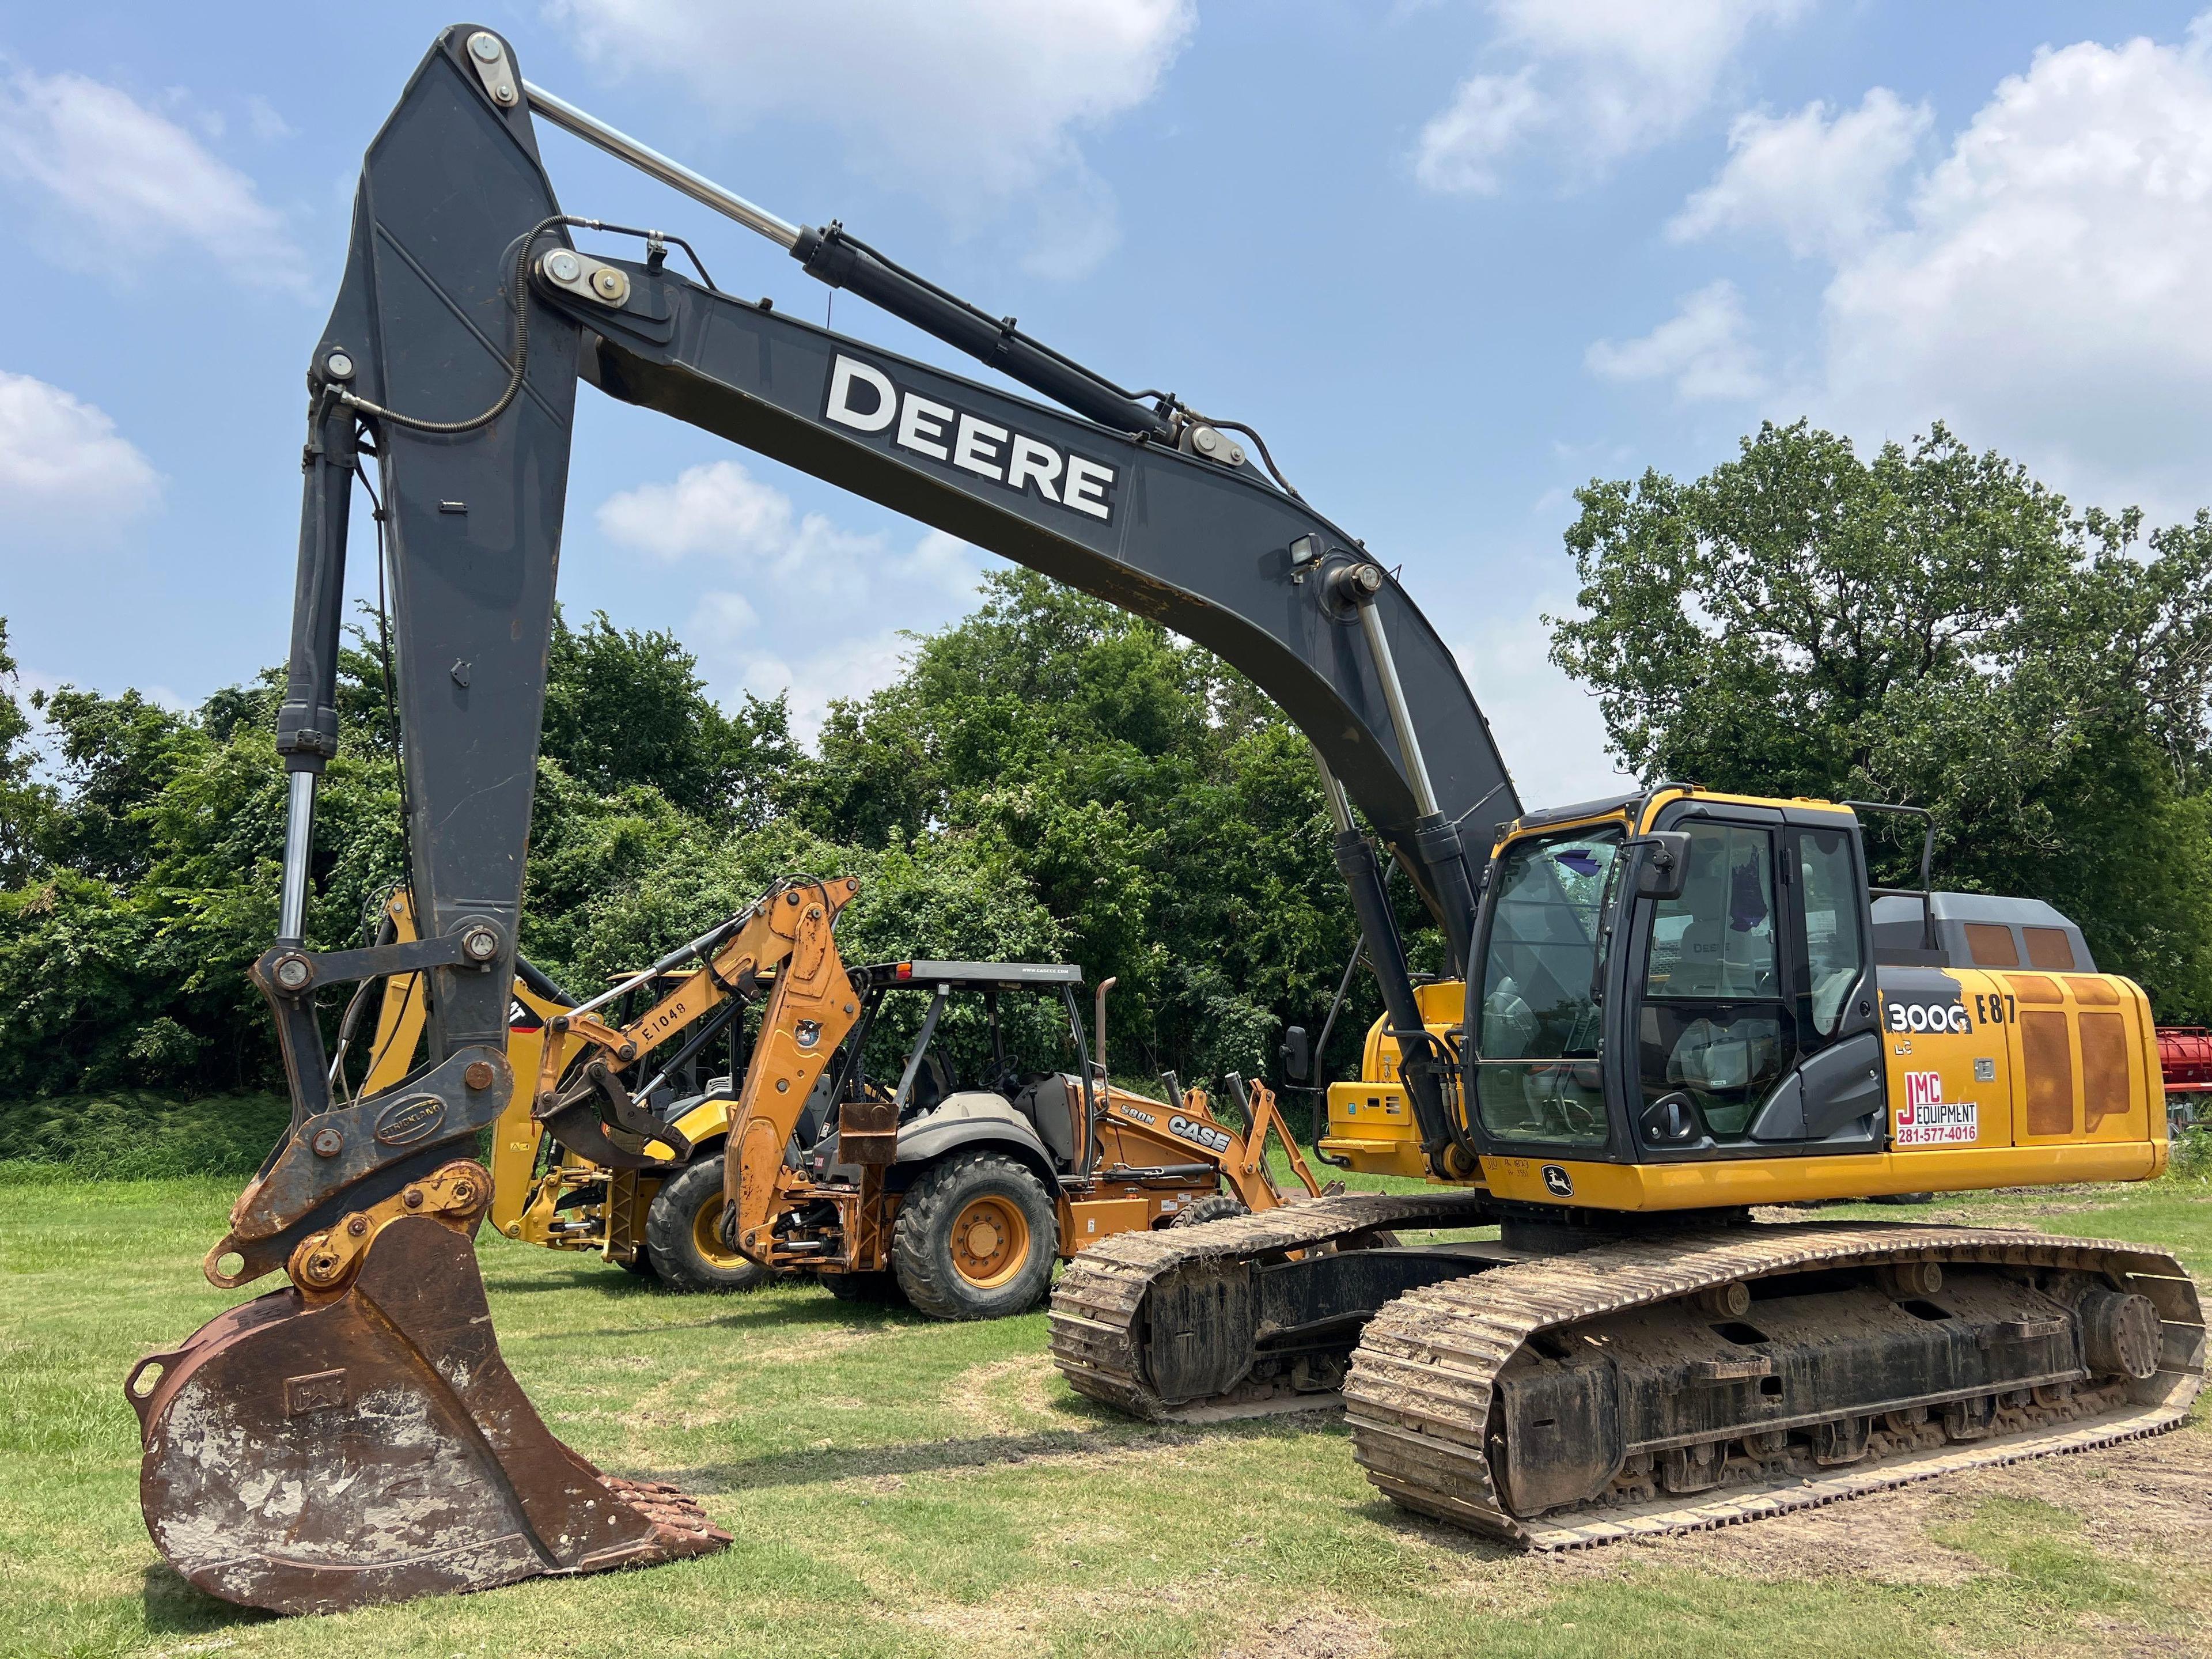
(988, 1183)
(1672, 1008)
(1688, 1004)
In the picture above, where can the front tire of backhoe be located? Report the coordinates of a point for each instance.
(682, 1237)
(976, 1239)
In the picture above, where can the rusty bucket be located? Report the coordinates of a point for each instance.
(308, 1453)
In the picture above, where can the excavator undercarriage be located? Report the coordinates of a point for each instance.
(1689, 1379)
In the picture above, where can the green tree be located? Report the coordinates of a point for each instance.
(24, 801)
(1934, 627)
(1159, 806)
(117, 753)
(624, 706)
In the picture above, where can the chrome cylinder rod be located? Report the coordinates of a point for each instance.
(646, 158)
(299, 841)
(1340, 809)
(683, 953)
(1401, 717)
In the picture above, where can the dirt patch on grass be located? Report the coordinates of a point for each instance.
(2142, 1497)
(1022, 1623)
(1004, 1396)
(1324, 1635)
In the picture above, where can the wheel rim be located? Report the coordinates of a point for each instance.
(707, 1235)
(990, 1241)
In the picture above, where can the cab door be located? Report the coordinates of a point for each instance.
(1751, 994)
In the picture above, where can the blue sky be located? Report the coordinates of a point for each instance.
(1452, 258)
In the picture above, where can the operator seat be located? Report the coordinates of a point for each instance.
(931, 1085)
(1053, 1104)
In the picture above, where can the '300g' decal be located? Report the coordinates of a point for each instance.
(1929, 1016)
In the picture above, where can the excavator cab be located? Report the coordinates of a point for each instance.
(1645, 997)
(1690, 1001)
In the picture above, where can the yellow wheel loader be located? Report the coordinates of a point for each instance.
(1678, 1007)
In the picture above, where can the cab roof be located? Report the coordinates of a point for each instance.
(989, 974)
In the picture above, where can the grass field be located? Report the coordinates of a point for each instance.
(901, 1487)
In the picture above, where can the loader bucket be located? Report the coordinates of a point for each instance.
(308, 1454)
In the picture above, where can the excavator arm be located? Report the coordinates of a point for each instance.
(465, 320)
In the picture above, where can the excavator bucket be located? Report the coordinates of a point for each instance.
(308, 1454)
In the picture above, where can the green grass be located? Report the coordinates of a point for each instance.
(900, 1488)
(137, 1135)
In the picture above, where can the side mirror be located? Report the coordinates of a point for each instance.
(1297, 1053)
(1663, 864)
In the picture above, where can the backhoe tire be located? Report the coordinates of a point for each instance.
(681, 1234)
(1219, 1207)
(975, 1238)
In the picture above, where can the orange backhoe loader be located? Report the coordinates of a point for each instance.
(1004, 1159)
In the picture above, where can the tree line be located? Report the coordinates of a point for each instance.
(1053, 779)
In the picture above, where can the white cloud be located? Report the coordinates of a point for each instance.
(1461, 146)
(63, 467)
(1593, 80)
(851, 668)
(1549, 728)
(816, 597)
(974, 104)
(1701, 349)
(266, 124)
(721, 509)
(945, 562)
(1822, 185)
(2044, 290)
(121, 185)
(724, 618)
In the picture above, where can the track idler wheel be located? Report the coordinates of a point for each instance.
(312, 1451)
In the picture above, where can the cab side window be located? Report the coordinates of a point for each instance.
(1718, 940)
(1828, 889)
(1714, 1025)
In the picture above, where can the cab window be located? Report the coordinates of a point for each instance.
(1713, 1024)
(1828, 887)
(1538, 1037)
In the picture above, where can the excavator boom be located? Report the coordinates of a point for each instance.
(463, 321)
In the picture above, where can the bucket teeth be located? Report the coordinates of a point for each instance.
(307, 1456)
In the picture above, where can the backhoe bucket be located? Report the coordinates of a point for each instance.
(307, 1455)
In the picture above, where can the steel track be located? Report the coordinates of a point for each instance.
(1423, 1377)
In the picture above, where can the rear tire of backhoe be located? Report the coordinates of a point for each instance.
(976, 1239)
(681, 1236)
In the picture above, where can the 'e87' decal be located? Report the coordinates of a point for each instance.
(1929, 1017)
